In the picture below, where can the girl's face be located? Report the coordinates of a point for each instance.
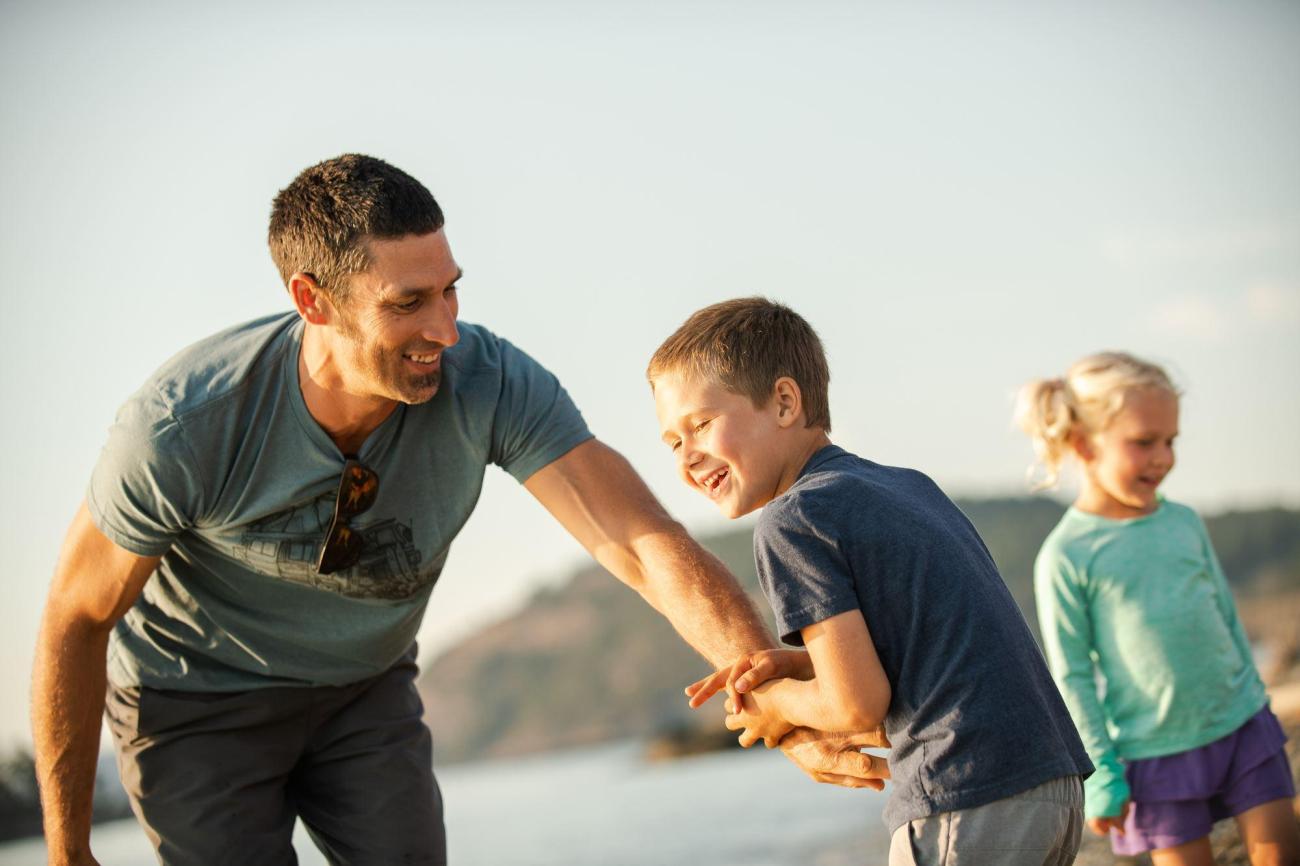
(1125, 463)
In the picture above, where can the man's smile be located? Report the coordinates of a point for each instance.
(427, 360)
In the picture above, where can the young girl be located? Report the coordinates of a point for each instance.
(1130, 592)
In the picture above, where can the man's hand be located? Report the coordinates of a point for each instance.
(748, 672)
(1103, 825)
(755, 724)
(834, 758)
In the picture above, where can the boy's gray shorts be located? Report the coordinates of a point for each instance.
(218, 778)
(1038, 827)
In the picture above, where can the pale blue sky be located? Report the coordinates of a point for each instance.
(958, 196)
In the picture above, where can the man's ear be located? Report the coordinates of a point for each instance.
(309, 299)
(789, 401)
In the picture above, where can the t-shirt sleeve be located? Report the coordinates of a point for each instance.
(144, 490)
(803, 571)
(1065, 621)
(535, 422)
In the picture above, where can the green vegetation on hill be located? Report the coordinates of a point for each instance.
(589, 661)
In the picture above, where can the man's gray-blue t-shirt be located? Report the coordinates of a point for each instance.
(974, 716)
(217, 466)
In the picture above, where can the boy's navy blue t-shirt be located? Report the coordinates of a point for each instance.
(975, 716)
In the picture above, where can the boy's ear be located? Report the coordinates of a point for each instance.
(789, 401)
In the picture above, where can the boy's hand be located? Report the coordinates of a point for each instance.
(748, 671)
(754, 725)
(1106, 823)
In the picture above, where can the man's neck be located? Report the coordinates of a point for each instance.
(346, 416)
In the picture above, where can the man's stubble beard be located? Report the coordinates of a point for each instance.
(383, 366)
(386, 369)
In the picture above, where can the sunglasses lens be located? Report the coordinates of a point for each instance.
(357, 490)
(342, 550)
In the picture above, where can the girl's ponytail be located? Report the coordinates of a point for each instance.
(1044, 411)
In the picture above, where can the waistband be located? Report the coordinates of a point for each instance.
(1067, 791)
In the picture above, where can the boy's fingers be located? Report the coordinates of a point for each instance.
(748, 738)
(759, 672)
(737, 670)
(706, 688)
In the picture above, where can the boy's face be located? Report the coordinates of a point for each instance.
(725, 447)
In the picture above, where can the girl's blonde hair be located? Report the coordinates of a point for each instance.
(1085, 400)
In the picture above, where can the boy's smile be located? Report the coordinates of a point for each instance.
(733, 452)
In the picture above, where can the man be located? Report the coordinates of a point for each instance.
(264, 527)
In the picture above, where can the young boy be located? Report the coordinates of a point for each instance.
(902, 612)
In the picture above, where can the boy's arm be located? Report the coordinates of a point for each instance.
(849, 691)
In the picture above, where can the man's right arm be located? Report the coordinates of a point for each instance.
(94, 585)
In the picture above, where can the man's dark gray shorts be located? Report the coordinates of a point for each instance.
(219, 778)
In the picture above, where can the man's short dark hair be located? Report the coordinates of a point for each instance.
(321, 223)
(745, 345)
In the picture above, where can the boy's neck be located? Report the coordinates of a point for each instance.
(806, 443)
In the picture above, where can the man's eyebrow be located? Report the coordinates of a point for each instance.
(419, 290)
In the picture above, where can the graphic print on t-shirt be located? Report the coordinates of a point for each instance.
(287, 543)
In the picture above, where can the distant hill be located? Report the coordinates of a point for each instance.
(589, 661)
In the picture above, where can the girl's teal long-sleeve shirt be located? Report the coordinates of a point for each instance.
(1143, 640)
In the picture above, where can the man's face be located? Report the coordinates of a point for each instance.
(399, 317)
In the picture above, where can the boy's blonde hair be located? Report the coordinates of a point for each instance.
(1093, 391)
(745, 345)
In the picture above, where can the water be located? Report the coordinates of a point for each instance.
(606, 807)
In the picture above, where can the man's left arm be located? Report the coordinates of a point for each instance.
(599, 498)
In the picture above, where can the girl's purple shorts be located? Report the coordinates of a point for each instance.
(1177, 798)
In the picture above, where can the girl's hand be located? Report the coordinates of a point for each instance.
(1106, 823)
(748, 671)
(754, 725)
